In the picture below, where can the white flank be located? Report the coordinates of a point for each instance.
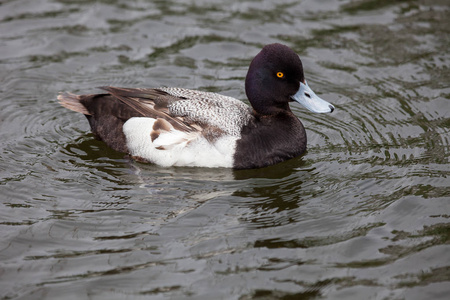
(177, 148)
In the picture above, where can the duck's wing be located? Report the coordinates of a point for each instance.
(187, 110)
(151, 103)
(225, 113)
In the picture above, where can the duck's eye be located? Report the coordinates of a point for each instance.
(308, 95)
(280, 74)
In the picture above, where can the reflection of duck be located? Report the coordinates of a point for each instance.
(181, 127)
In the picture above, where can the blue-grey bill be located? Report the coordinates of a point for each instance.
(306, 97)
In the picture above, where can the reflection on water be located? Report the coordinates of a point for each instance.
(363, 214)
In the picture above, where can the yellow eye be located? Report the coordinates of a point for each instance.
(280, 75)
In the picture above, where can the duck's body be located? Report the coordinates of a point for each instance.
(181, 127)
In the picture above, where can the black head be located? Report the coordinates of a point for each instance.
(273, 77)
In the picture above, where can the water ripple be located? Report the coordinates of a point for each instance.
(364, 212)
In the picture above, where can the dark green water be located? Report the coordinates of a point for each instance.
(363, 215)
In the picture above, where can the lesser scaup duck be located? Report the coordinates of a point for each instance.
(181, 127)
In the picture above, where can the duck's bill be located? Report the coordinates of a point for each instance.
(306, 97)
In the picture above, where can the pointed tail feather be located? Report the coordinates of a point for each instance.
(72, 102)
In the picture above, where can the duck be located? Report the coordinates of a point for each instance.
(172, 126)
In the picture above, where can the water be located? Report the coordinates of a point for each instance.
(363, 215)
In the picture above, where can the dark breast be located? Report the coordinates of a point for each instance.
(269, 140)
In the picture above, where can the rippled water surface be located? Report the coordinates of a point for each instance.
(364, 214)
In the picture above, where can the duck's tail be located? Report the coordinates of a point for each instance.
(72, 102)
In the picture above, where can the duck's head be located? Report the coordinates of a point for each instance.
(275, 78)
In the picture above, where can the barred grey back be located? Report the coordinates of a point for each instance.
(227, 113)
